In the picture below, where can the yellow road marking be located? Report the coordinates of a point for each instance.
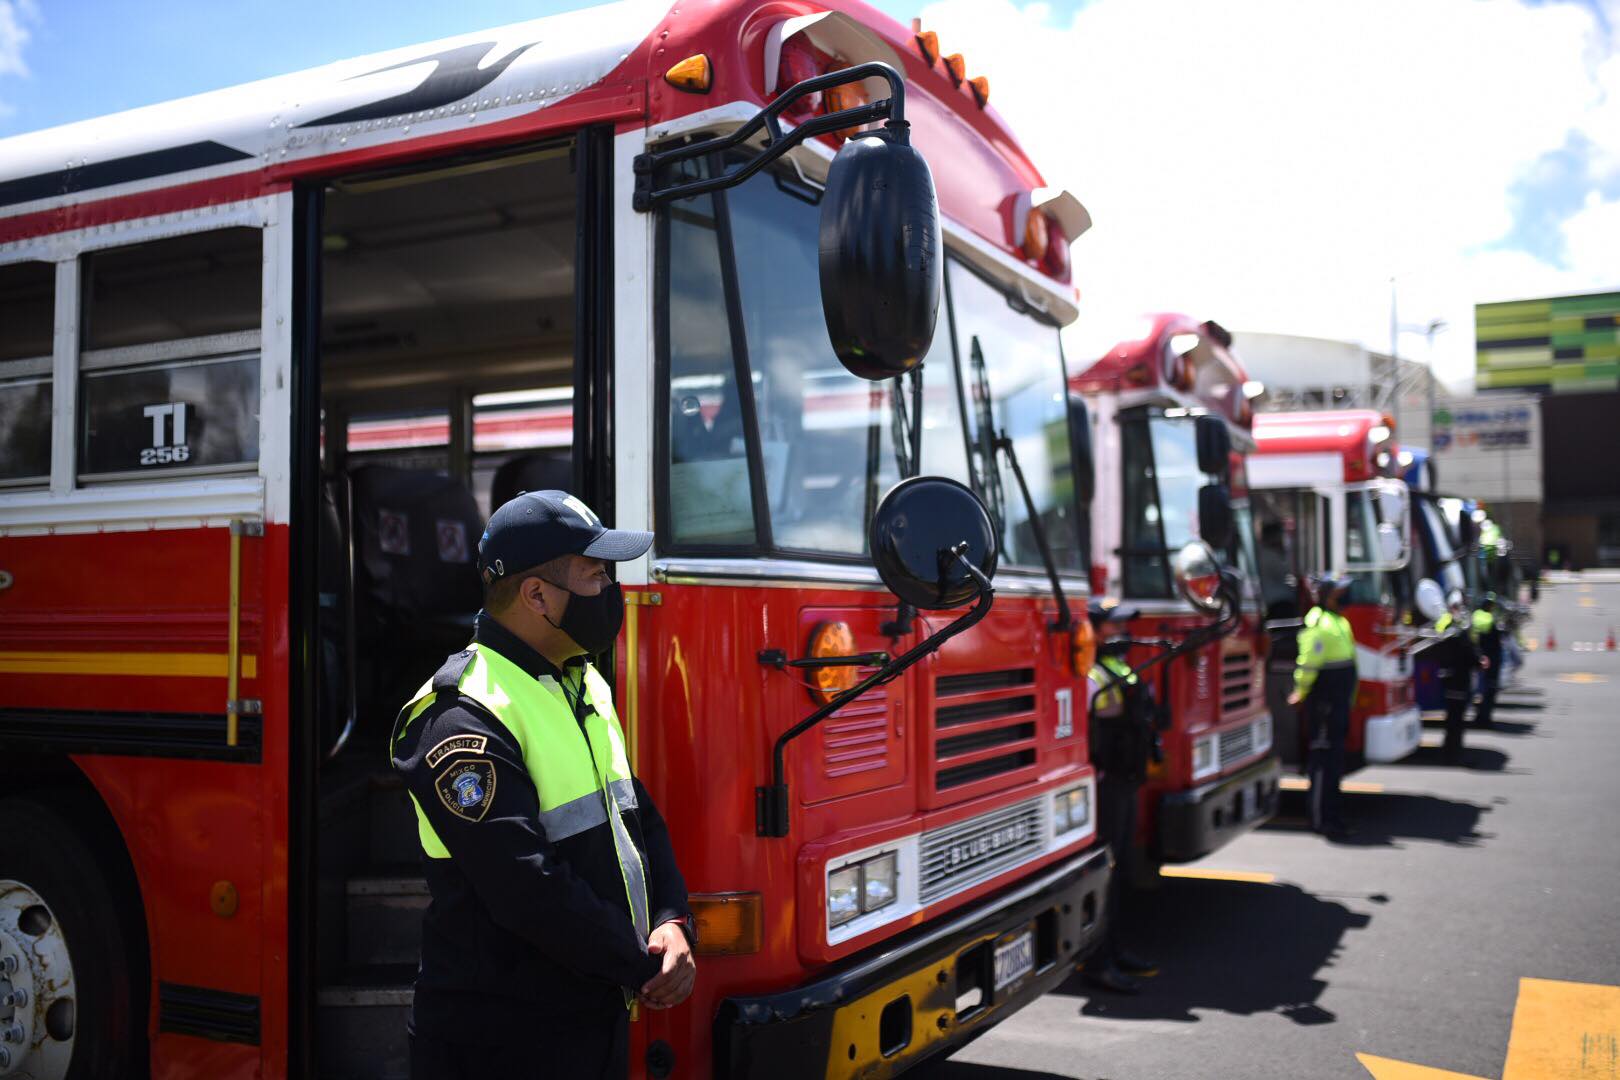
(1387, 1069)
(198, 665)
(1349, 787)
(1582, 678)
(1257, 877)
(1586, 601)
(1564, 1029)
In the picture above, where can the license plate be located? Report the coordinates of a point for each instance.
(1251, 803)
(1015, 958)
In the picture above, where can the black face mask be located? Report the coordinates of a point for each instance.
(593, 621)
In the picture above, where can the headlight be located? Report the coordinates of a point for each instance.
(1203, 755)
(1071, 810)
(843, 895)
(878, 878)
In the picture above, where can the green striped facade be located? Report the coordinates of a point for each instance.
(1561, 344)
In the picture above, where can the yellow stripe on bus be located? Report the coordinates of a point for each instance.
(194, 665)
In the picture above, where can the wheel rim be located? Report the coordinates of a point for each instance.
(38, 996)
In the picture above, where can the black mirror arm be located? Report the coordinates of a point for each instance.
(771, 803)
(892, 109)
(1065, 618)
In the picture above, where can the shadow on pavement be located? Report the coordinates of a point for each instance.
(1385, 819)
(1233, 946)
(967, 1070)
(1474, 758)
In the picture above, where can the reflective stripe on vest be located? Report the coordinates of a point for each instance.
(1483, 622)
(580, 772)
(1111, 692)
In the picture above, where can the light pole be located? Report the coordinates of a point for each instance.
(1428, 330)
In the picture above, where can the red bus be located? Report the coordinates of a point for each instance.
(1323, 504)
(268, 357)
(1160, 403)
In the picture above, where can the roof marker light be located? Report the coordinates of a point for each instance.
(694, 75)
(981, 90)
(928, 46)
(956, 67)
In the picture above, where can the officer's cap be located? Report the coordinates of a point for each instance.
(539, 526)
(1324, 584)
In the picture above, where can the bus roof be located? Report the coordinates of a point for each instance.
(1209, 377)
(1353, 435)
(597, 65)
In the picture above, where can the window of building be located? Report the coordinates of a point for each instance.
(27, 316)
(169, 356)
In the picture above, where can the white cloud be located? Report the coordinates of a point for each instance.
(1271, 163)
(15, 15)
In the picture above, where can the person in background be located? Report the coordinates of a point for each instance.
(1278, 586)
(1458, 660)
(1123, 742)
(1487, 635)
(1325, 684)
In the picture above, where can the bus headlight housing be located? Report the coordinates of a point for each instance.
(862, 887)
(1071, 810)
(1203, 756)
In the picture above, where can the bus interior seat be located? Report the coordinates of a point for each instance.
(416, 579)
(543, 471)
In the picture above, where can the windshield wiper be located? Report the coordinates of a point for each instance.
(992, 442)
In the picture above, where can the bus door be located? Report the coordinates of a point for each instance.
(1295, 528)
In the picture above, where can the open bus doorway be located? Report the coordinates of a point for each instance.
(450, 361)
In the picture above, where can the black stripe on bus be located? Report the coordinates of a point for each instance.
(208, 1014)
(131, 734)
(124, 170)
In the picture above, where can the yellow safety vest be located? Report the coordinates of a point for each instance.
(580, 770)
(1327, 641)
(1483, 623)
(1110, 692)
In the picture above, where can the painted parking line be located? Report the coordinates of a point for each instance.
(1389, 1069)
(1582, 678)
(1349, 787)
(1202, 873)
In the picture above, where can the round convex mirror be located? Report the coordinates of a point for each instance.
(913, 532)
(1429, 599)
(1198, 576)
(1390, 545)
(880, 251)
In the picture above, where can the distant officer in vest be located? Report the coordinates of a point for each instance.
(1123, 742)
(557, 904)
(1457, 661)
(1487, 634)
(1325, 683)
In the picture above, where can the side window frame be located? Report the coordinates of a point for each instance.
(43, 364)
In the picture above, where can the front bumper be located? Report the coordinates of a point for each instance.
(1393, 736)
(884, 1014)
(1194, 823)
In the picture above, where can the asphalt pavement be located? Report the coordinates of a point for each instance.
(1289, 955)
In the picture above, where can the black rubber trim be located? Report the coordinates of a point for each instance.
(131, 734)
(124, 170)
(208, 1014)
(1187, 828)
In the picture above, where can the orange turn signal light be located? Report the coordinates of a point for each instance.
(1085, 646)
(981, 90)
(832, 639)
(694, 75)
(956, 64)
(728, 924)
(928, 45)
(1035, 237)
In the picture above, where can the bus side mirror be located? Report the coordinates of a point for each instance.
(933, 543)
(1214, 446)
(1215, 519)
(1085, 463)
(1429, 599)
(1198, 576)
(881, 256)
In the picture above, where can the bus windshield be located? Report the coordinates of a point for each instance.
(1159, 456)
(774, 446)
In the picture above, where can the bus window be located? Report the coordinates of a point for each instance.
(1023, 364)
(27, 316)
(169, 357)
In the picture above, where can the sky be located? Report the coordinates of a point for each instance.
(1272, 164)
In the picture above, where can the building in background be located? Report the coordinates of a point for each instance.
(1564, 351)
(1316, 373)
(1556, 345)
(1489, 448)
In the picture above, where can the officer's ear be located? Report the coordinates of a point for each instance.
(531, 596)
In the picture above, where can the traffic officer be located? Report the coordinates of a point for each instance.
(1457, 660)
(1325, 682)
(1123, 741)
(1487, 635)
(557, 903)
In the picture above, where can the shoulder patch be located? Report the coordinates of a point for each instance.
(455, 744)
(467, 788)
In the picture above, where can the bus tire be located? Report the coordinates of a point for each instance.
(54, 893)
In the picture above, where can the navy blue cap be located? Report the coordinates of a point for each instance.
(1322, 584)
(539, 526)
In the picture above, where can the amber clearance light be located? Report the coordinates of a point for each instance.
(832, 639)
(848, 96)
(728, 924)
(1084, 646)
(1036, 236)
(694, 75)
